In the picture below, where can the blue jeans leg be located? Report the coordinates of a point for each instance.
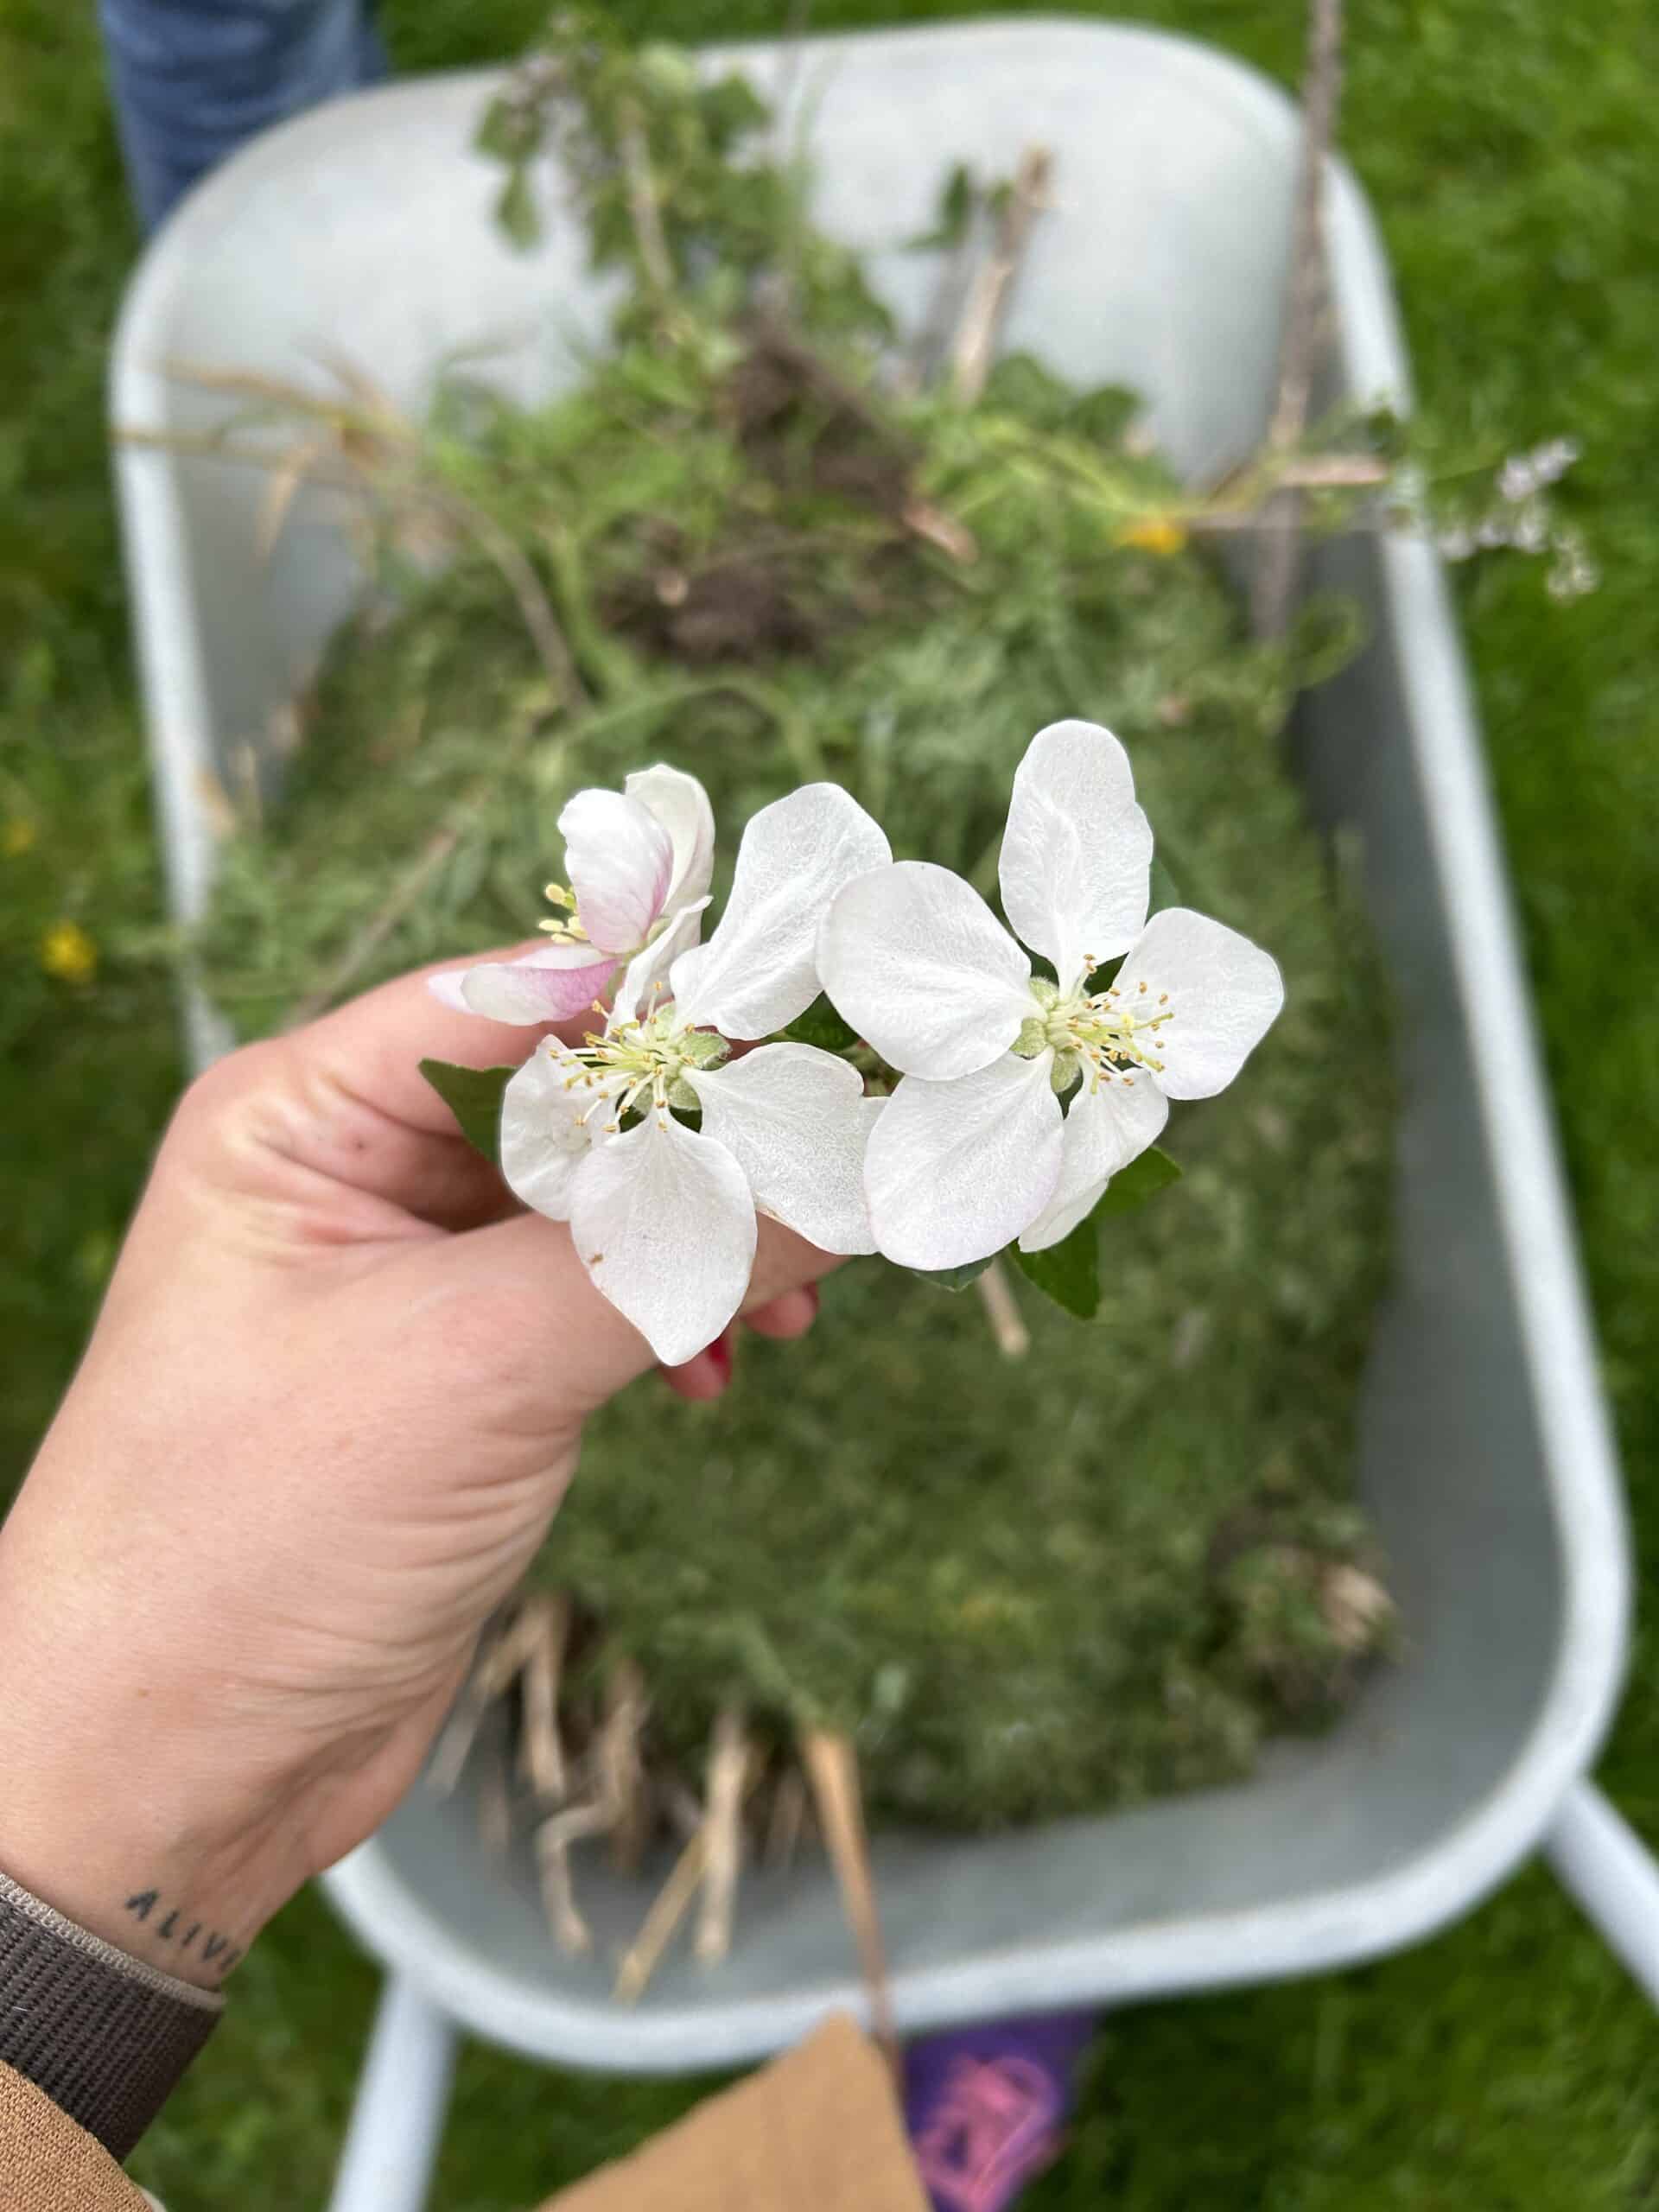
(194, 79)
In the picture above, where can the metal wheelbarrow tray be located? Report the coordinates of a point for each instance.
(363, 230)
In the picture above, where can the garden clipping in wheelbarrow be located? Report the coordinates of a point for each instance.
(798, 653)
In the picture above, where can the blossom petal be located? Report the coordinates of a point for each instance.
(796, 1122)
(916, 961)
(619, 859)
(1221, 993)
(955, 1170)
(681, 805)
(665, 1224)
(1105, 1129)
(543, 1139)
(447, 988)
(1076, 854)
(647, 972)
(759, 968)
(549, 985)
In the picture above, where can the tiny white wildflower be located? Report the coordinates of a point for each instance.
(1572, 573)
(1524, 474)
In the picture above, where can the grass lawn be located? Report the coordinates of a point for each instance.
(1510, 148)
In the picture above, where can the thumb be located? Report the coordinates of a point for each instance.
(523, 1285)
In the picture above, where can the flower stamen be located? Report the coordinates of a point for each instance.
(563, 928)
(641, 1066)
(1094, 1032)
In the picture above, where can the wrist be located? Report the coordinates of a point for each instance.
(126, 1805)
(121, 1852)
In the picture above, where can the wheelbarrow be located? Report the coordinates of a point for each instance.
(363, 230)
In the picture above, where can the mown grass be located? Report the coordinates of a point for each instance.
(1508, 148)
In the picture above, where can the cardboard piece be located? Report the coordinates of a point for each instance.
(819, 2130)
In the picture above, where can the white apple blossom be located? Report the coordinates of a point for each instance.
(973, 1149)
(639, 862)
(664, 1216)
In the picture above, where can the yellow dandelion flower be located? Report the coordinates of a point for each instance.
(17, 836)
(1154, 534)
(68, 954)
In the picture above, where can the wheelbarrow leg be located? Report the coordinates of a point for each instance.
(1604, 1864)
(397, 2121)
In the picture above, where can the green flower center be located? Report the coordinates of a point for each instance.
(1105, 1035)
(642, 1065)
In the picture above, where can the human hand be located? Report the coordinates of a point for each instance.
(332, 1404)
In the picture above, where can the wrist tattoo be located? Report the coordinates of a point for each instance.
(177, 1927)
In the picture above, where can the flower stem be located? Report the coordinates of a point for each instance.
(1008, 1323)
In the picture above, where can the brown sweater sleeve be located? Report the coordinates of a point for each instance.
(48, 2164)
(103, 2035)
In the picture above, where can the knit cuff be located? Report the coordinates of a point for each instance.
(104, 2036)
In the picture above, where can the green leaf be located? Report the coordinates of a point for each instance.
(956, 202)
(823, 1026)
(1330, 628)
(1151, 1172)
(1021, 384)
(517, 211)
(506, 134)
(952, 216)
(1068, 1272)
(954, 1277)
(473, 1096)
(1166, 892)
(1103, 415)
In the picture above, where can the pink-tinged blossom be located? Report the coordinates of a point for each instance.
(639, 861)
(664, 1215)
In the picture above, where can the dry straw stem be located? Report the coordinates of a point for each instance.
(789, 1820)
(495, 1808)
(709, 1861)
(553, 1841)
(991, 291)
(502, 1653)
(668, 1910)
(832, 1769)
(729, 1763)
(621, 1762)
(541, 1751)
(1274, 582)
(365, 436)
(366, 441)
(643, 211)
